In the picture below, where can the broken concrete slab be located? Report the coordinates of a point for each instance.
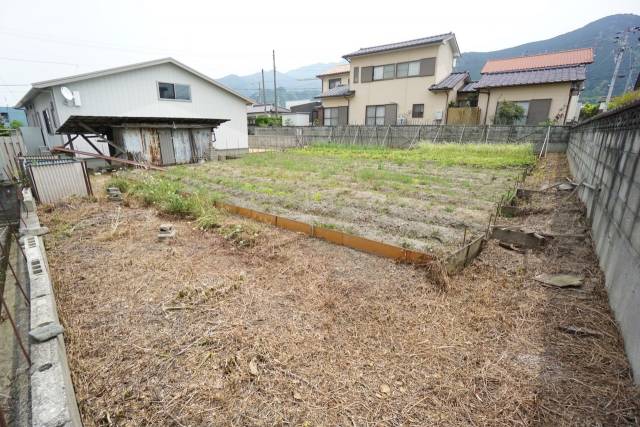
(529, 240)
(46, 332)
(560, 280)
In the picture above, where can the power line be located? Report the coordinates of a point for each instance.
(38, 61)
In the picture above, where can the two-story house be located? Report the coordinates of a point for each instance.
(411, 81)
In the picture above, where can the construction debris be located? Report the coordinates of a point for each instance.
(560, 280)
(529, 240)
(46, 332)
(166, 232)
(511, 247)
(114, 194)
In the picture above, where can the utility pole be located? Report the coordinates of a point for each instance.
(275, 87)
(264, 93)
(623, 45)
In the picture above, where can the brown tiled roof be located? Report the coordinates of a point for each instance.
(450, 81)
(338, 69)
(531, 77)
(545, 60)
(402, 45)
(336, 91)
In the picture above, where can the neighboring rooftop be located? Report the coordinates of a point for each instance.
(338, 69)
(546, 60)
(265, 108)
(517, 78)
(469, 87)
(336, 91)
(450, 81)
(406, 44)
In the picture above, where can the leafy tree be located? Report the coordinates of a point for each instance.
(15, 124)
(588, 110)
(266, 121)
(509, 113)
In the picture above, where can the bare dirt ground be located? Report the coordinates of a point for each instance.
(281, 329)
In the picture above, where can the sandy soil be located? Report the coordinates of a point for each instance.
(287, 330)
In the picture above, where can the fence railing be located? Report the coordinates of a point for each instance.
(403, 136)
(11, 146)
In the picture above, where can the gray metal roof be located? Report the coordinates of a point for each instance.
(518, 78)
(469, 87)
(336, 91)
(74, 124)
(260, 108)
(450, 81)
(403, 45)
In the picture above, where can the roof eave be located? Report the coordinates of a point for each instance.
(102, 73)
(354, 54)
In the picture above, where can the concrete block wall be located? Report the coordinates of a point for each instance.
(604, 155)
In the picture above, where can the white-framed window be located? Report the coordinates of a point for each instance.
(408, 69)
(384, 72)
(375, 115)
(331, 116)
(175, 91)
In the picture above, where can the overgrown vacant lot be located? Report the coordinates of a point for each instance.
(421, 199)
(250, 325)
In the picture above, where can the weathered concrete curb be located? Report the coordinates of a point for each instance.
(53, 401)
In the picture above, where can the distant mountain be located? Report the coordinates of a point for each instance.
(598, 34)
(300, 83)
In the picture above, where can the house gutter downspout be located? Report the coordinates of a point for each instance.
(486, 108)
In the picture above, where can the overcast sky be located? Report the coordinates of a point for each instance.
(237, 36)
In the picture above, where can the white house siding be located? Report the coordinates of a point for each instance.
(135, 94)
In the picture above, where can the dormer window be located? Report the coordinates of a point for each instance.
(174, 91)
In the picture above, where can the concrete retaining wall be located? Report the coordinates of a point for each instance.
(604, 155)
(53, 401)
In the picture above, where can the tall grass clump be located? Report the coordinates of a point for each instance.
(170, 197)
(475, 155)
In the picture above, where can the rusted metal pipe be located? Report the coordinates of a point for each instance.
(15, 331)
(15, 276)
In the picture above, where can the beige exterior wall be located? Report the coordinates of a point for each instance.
(557, 92)
(335, 102)
(403, 91)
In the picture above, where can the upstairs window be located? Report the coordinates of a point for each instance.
(384, 72)
(174, 91)
(334, 82)
(408, 69)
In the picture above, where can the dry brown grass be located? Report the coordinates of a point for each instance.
(295, 331)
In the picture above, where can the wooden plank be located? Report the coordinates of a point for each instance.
(373, 247)
(463, 257)
(115, 159)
